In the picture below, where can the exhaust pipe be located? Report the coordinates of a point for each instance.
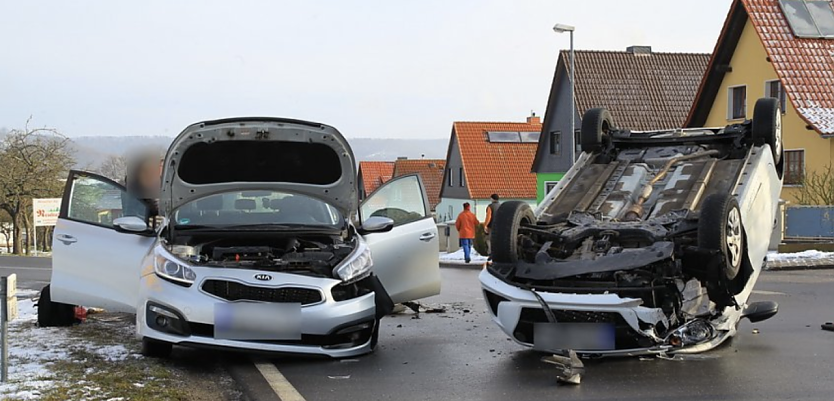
(635, 212)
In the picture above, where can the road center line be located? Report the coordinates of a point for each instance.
(24, 268)
(762, 292)
(279, 383)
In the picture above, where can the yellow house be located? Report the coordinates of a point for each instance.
(782, 49)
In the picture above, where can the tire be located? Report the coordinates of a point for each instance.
(54, 314)
(720, 229)
(767, 125)
(595, 126)
(156, 349)
(509, 217)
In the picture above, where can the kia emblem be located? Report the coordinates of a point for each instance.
(263, 277)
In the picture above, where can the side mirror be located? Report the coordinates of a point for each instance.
(376, 224)
(131, 224)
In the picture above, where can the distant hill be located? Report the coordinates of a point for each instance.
(90, 151)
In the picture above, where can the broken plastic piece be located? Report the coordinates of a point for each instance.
(569, 368)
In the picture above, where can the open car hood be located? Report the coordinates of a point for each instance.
(259, 153)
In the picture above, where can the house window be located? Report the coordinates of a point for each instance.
(548, 186)
(737, 103)
(461, 177)
(556, 143)
(451, 177)
(577, 144)
(776, 90)
(794, 166)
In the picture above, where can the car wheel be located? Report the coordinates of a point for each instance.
(595, 126)
(54, 314)
(767, 125)
(156, 349)
(509, 217)
(720, 229)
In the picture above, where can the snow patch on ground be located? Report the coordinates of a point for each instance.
(33, 349)
(811, 254)
(457, 257)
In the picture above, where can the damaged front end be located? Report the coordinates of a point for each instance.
(617, 245)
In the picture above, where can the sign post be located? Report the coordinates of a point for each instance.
(8, 312)
(46, 213)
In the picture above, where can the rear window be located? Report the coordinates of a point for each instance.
(260, 161)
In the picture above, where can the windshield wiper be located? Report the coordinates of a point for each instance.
(194, 227)
(280, 226)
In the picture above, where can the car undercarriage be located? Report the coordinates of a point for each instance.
(656, 219)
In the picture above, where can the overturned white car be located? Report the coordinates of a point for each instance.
(651, 243)
(264, 246)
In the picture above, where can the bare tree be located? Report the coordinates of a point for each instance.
(113, 167)
(32, 163)
(817, 187)
(5, 229)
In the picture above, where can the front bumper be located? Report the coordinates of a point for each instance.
(515, 310)
(328, 327)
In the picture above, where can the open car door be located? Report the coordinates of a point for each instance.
(93, 264)
(405, 258)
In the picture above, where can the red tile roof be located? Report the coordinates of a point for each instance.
(375, 174)
(502, 168)
(430, 171)
(642, 90)
(805, 66)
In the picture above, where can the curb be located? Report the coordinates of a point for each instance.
(776, 268)
(464, 266)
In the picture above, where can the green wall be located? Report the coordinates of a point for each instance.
(542, 178)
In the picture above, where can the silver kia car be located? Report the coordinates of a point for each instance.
(263, 244)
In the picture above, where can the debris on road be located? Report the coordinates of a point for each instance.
(569, 369)
(755, 331)
(340, 377)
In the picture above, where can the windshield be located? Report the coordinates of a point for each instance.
(242, 208)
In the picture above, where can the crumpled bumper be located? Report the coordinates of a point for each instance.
(515, 309)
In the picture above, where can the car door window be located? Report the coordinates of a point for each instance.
(401, 200)
(99, 201)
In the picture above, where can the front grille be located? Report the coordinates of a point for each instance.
(571, 316)
(625, 336)
(234, 291)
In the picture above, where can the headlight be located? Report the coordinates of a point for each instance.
(356, 267)
(174, 271)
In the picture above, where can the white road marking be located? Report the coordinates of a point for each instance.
(24, 268)
(279, 383)
(762, 292)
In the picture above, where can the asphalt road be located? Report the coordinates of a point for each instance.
(463, 356)
(32, 272)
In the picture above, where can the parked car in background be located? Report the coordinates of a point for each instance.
(263, 246)
(651, 243)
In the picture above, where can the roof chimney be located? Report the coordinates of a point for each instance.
(639, 49)
(402, 157)
(533, 119)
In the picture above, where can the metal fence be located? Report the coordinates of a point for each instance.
(809, 222)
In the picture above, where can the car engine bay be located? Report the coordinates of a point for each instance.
(310, 254)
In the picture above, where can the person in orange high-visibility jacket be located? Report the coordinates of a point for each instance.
(466, 224)
(490, 213)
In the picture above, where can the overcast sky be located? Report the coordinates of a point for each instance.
(387, 69)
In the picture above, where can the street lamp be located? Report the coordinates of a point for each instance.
(562, 28)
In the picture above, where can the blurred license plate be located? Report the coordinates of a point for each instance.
(257, 321)
(576, 336)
